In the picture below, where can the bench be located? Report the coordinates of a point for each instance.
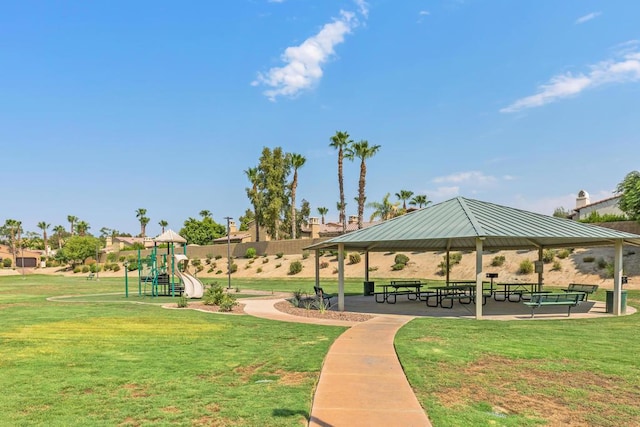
(323, 296)
(91, 276)
(579, 287)
(546, 299)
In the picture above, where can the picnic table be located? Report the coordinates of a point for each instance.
(390, 291)
(464, 293)
(515, 289)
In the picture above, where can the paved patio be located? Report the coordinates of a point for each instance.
(493, 310)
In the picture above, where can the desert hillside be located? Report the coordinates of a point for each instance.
(581, 266)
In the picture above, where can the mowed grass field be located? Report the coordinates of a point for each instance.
(118, 362)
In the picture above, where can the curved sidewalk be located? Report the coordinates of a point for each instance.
(362, 382)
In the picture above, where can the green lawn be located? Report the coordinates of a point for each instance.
(521, 373)
(114, 361)
(103, 363)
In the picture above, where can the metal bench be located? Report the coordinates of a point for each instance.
(323, 296)
(568, 299)
(579, 287)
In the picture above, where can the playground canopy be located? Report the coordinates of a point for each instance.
(462, 224)
(170, 236)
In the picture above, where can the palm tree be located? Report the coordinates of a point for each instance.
(15, 228)
(72, 220)
(323, 211)
(162, 223)
(59, 231)
(404, 195)
(341, 207)
(340, 141)
(363, 151)
(254, 195)
(140, 214)
(385, 209)
(297, 161)
(42, 225)
(420, 200)
(82, 227)
(205, 213)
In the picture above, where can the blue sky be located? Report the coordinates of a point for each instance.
(111, 106)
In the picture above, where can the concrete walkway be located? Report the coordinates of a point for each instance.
(362, 382)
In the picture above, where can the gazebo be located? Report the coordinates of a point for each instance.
(462, 224)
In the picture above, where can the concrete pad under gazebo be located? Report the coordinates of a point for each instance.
(463, 224)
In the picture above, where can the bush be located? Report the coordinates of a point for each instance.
(548, 255)
(122, 258)
(219, 272)
(455, 258)
(498, 261)
(259, 270)
(556, 266)
(324, 264)
(398, 266)
(183, 302)
(354, 258)
(213, 294)
(588, 259)
(112, 257)
(373, 268)
(526, 267)
(95, 268)
(295, 267)
(563, 254)
(250, 253)
(227, 303)
(115, 267)
(305, 254)
(132, 266)
(279, 255)
(77, 269)
(234, 267)
(209, 257)
(602, 263)
(85, 268)
(278, 265)
(401, 259)
(6, 263)
(265, 260)
(218, 257)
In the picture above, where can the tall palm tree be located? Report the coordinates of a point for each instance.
(58, 231)
(82, 227)
(297, 161)
(205, 213)
(420, 200)
(14, 227)
(72, 220)
(363, 151)
(254, 195)
(341, 141)
(162, 223)
(42, 225)
(385, 209)
(404, 195)
(323, 211)
(140, 214)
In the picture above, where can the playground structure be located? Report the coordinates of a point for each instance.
(166, 274)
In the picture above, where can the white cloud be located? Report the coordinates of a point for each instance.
(443, 193)
(621, 70)
(422, 14)
(587, 17)
(303, 68)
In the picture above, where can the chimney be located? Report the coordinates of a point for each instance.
(353, 219)
(314, 225)
(582, 200)
(232, 226)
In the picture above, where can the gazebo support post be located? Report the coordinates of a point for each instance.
(617, 278)
(540, 263)
(341, 277)
(447, 267)
(366, 266)
(478, 277)
(317, 251)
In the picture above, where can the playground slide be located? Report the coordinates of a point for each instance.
(195, 287)
(188, 286)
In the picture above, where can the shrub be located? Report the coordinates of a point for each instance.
(609, 271)
(183, 302)
(278, 265)
(563, 253)
(265, 260)
(213, 294)
(455, 258)
(219, 272)
(122, 258)
(250, 253)
(259, 270)
(251, 261)
(6, 263)
(247, 266)
(556, 266)
(234, 267)
(218, 257)
(227, 303)
(373, 268)
(112, 256)
(77, 269)
(208, 257)
(335, 270)
(295, 267)
(324, 264)
(588, 259)
(305, 254)
(526, 267)
(401, 259)
(132, 266)
(85, 268)
(279, 255)
(398, 266)
(498, 261)
(602, 263)
(115, 267)
(95, 268)
(354, 258)
(548, 255)
(442, 268)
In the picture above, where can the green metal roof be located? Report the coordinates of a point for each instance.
(455, 224)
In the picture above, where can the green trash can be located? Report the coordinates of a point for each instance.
(368, 288)
(623, 302)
